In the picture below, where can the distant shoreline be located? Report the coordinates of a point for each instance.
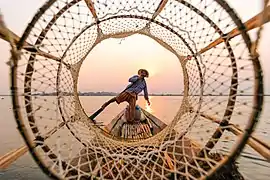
(4, 95)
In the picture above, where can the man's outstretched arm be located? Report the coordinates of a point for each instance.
(145, 92)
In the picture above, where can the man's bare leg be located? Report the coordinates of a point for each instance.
(131, 109)
(108, 102)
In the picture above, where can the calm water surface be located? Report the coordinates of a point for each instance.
(251, 165)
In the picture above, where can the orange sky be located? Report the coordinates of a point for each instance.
(113, 66)
(114, 63)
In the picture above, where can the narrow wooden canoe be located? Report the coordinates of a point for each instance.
(183, 152)
(147, 126)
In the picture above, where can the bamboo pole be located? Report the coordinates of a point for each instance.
(126, 132)
(12, 156)
(132, 131)
(5, 32)
(123, 131)
(150, 126)
(97, 168)
(160, 7)
(252, 23)
(252, 142)
(144, 131)
(168, 161)
(92, 9)
(137, 130)
(261, 147)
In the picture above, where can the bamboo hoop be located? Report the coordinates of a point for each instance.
(22, 44)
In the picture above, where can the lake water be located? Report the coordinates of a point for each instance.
(251, 164)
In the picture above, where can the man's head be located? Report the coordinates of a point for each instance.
(143, 73)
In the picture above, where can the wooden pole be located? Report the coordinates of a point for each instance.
(252, 23)
(27, 46)
(261, 147)
(252, 142)
(160, 7)
(92, 9)
(168, 161)
(6, 34)
(12, 156)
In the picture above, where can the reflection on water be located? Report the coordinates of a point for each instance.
(251, 165)
(148, 107)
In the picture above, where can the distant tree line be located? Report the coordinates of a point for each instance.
(103, 93)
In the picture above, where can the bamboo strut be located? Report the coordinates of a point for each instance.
(92, 9)
(160, 8)
(252, 142)
(252, 23)
(5, 32)
(132, 131)
(12, 156)
(261, 147)
(168, 161)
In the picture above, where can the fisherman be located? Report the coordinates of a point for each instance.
(130, 94)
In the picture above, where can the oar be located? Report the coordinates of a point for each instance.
(93, 116)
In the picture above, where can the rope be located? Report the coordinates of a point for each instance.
(216, 76)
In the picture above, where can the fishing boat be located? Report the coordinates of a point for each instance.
(144, 126)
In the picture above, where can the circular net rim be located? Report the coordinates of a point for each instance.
(258, 90)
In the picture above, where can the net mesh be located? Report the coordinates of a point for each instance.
(222, 86)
